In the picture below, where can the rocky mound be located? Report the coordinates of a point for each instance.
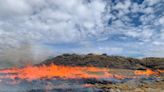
(152, 62)
(106, 61)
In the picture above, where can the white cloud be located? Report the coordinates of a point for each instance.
(161, 20)
(78, 21)
(123, 5)
(10, 8)
(152, 2)
(54, 20)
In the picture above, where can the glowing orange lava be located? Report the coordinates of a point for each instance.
(147, 72)
(66, 72)
(51, 71)
(161, 71)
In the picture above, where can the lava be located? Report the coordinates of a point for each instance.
(66, 72)
(148, 72)
(58, 71)
(161, 71)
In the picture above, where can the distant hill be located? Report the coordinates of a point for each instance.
(153, 62)
(106, 61)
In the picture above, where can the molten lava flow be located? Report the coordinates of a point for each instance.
(147, 72)
(50, 71)
(161, 71)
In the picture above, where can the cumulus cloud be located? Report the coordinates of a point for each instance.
(82, 22)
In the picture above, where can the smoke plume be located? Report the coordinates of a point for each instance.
(24, 54)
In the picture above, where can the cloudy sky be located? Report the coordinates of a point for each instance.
(117, 27)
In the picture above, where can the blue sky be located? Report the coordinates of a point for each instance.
(117, 27)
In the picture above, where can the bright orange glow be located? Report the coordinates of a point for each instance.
(66, 72)
(161, 71)
(39, 72)
(147, 72)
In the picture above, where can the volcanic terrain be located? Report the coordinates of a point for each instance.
(86, 73)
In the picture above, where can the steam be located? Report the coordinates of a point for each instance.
(24, 54)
